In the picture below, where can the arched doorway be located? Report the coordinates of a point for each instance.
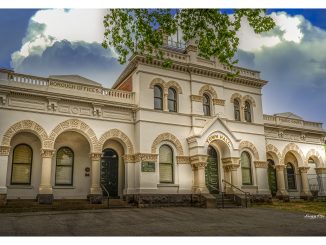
(110, 171)
(212, 170)
(272, 177)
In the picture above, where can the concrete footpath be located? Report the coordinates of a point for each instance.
(183, 221)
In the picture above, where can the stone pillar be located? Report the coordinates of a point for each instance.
(199, 163)
(96, 194)
(231, 165)
(262, 177)
(227, 177)
(242, 114)
(321, 177)
(129, 162)
(45, 195)
(195, 178)
(201, 177)
(165, 100)
(234, 174)
(281, 192)
(305, 191)
(4, 155)
(191, 50)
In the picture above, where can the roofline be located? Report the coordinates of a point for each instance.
(134, 61)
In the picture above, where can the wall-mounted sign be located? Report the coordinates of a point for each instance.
(148, 166)
(219, 137)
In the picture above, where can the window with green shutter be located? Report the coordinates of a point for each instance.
(246, 168)
(158, 98)
(22, 165)
(64, 166)
(290, 176)
(166, 164)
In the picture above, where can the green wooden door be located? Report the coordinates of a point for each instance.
(109, 171)
(211, 171)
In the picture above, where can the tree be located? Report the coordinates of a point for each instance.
(141, 31)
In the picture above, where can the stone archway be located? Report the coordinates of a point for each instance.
(275, 153)
(120, 136)
(296, 151)
(250, 99)
(24, 126)
(174, 85)
(209, 89)
(167, 137)
(251, 147)
(236, 96)
(77, 126)
(315, 156)
(157, 81)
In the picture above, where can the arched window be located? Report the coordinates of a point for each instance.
(290, 176)
(158, 98)
(246, 168)
(166, 164)
(236, 110)
(247, 112)
(206, 105)
(22, 165)
(172, 100)
(64, 166)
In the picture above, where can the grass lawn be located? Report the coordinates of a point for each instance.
(308, 207)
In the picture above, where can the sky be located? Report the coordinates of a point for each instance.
(292, 57)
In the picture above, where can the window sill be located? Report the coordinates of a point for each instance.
(20, 187)
(167, 185)
(63, 187)
(292, 190)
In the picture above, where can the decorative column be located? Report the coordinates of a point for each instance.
(45, 195)
(4, 155)
(281, 192)
(165, 100)
(195, 178)
(242, 114)
(96, 195)
(227, 177)
(199, 163)
(234, 174)
(129, 185)
(201, 177)
(262, 177)
(231, 164)
(321, 178)
(305, 191)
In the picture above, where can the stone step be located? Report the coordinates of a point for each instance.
(228, 202)
(57, 205)
(117, 203)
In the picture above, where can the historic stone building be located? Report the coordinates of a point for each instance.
(187, 129)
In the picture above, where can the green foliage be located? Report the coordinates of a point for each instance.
(140, 31)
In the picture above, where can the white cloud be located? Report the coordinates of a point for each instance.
(250, 41)
(73, 25)
(49, 26)
(290, 25)
(289, 30)
(295, 68)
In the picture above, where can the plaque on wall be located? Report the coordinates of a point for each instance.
(148, 166)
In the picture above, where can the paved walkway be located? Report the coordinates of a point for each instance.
(163, 222)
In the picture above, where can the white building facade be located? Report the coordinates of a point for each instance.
(188, 129)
